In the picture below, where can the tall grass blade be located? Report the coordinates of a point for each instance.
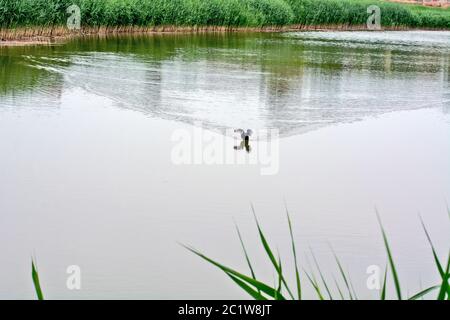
(423, 292)
(391, 260)
(245, 253)
(314, 284)
(255, 294)
(256, 283)
(294, 252)
(270, 254)
(341, 270)
(383, 289)
(436, 259)
(280, 277)
(321, 275)
(445, 287)
(35, 277)
(338, 288)
(353, 289)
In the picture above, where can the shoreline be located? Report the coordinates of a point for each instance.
(54, 35)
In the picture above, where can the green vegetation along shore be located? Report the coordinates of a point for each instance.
(282, 290)
(49, 17)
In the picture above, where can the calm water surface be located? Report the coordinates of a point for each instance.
(86, 176)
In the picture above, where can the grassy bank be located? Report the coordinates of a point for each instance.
(354, 12)
(18, 17)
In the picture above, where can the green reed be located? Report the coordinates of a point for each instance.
(354, 12)
(36, 282)
(243, 13)
(224, 13)
(260, 290)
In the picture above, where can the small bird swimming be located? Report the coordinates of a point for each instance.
(245, 135)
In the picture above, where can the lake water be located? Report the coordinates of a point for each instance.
(87, 175)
